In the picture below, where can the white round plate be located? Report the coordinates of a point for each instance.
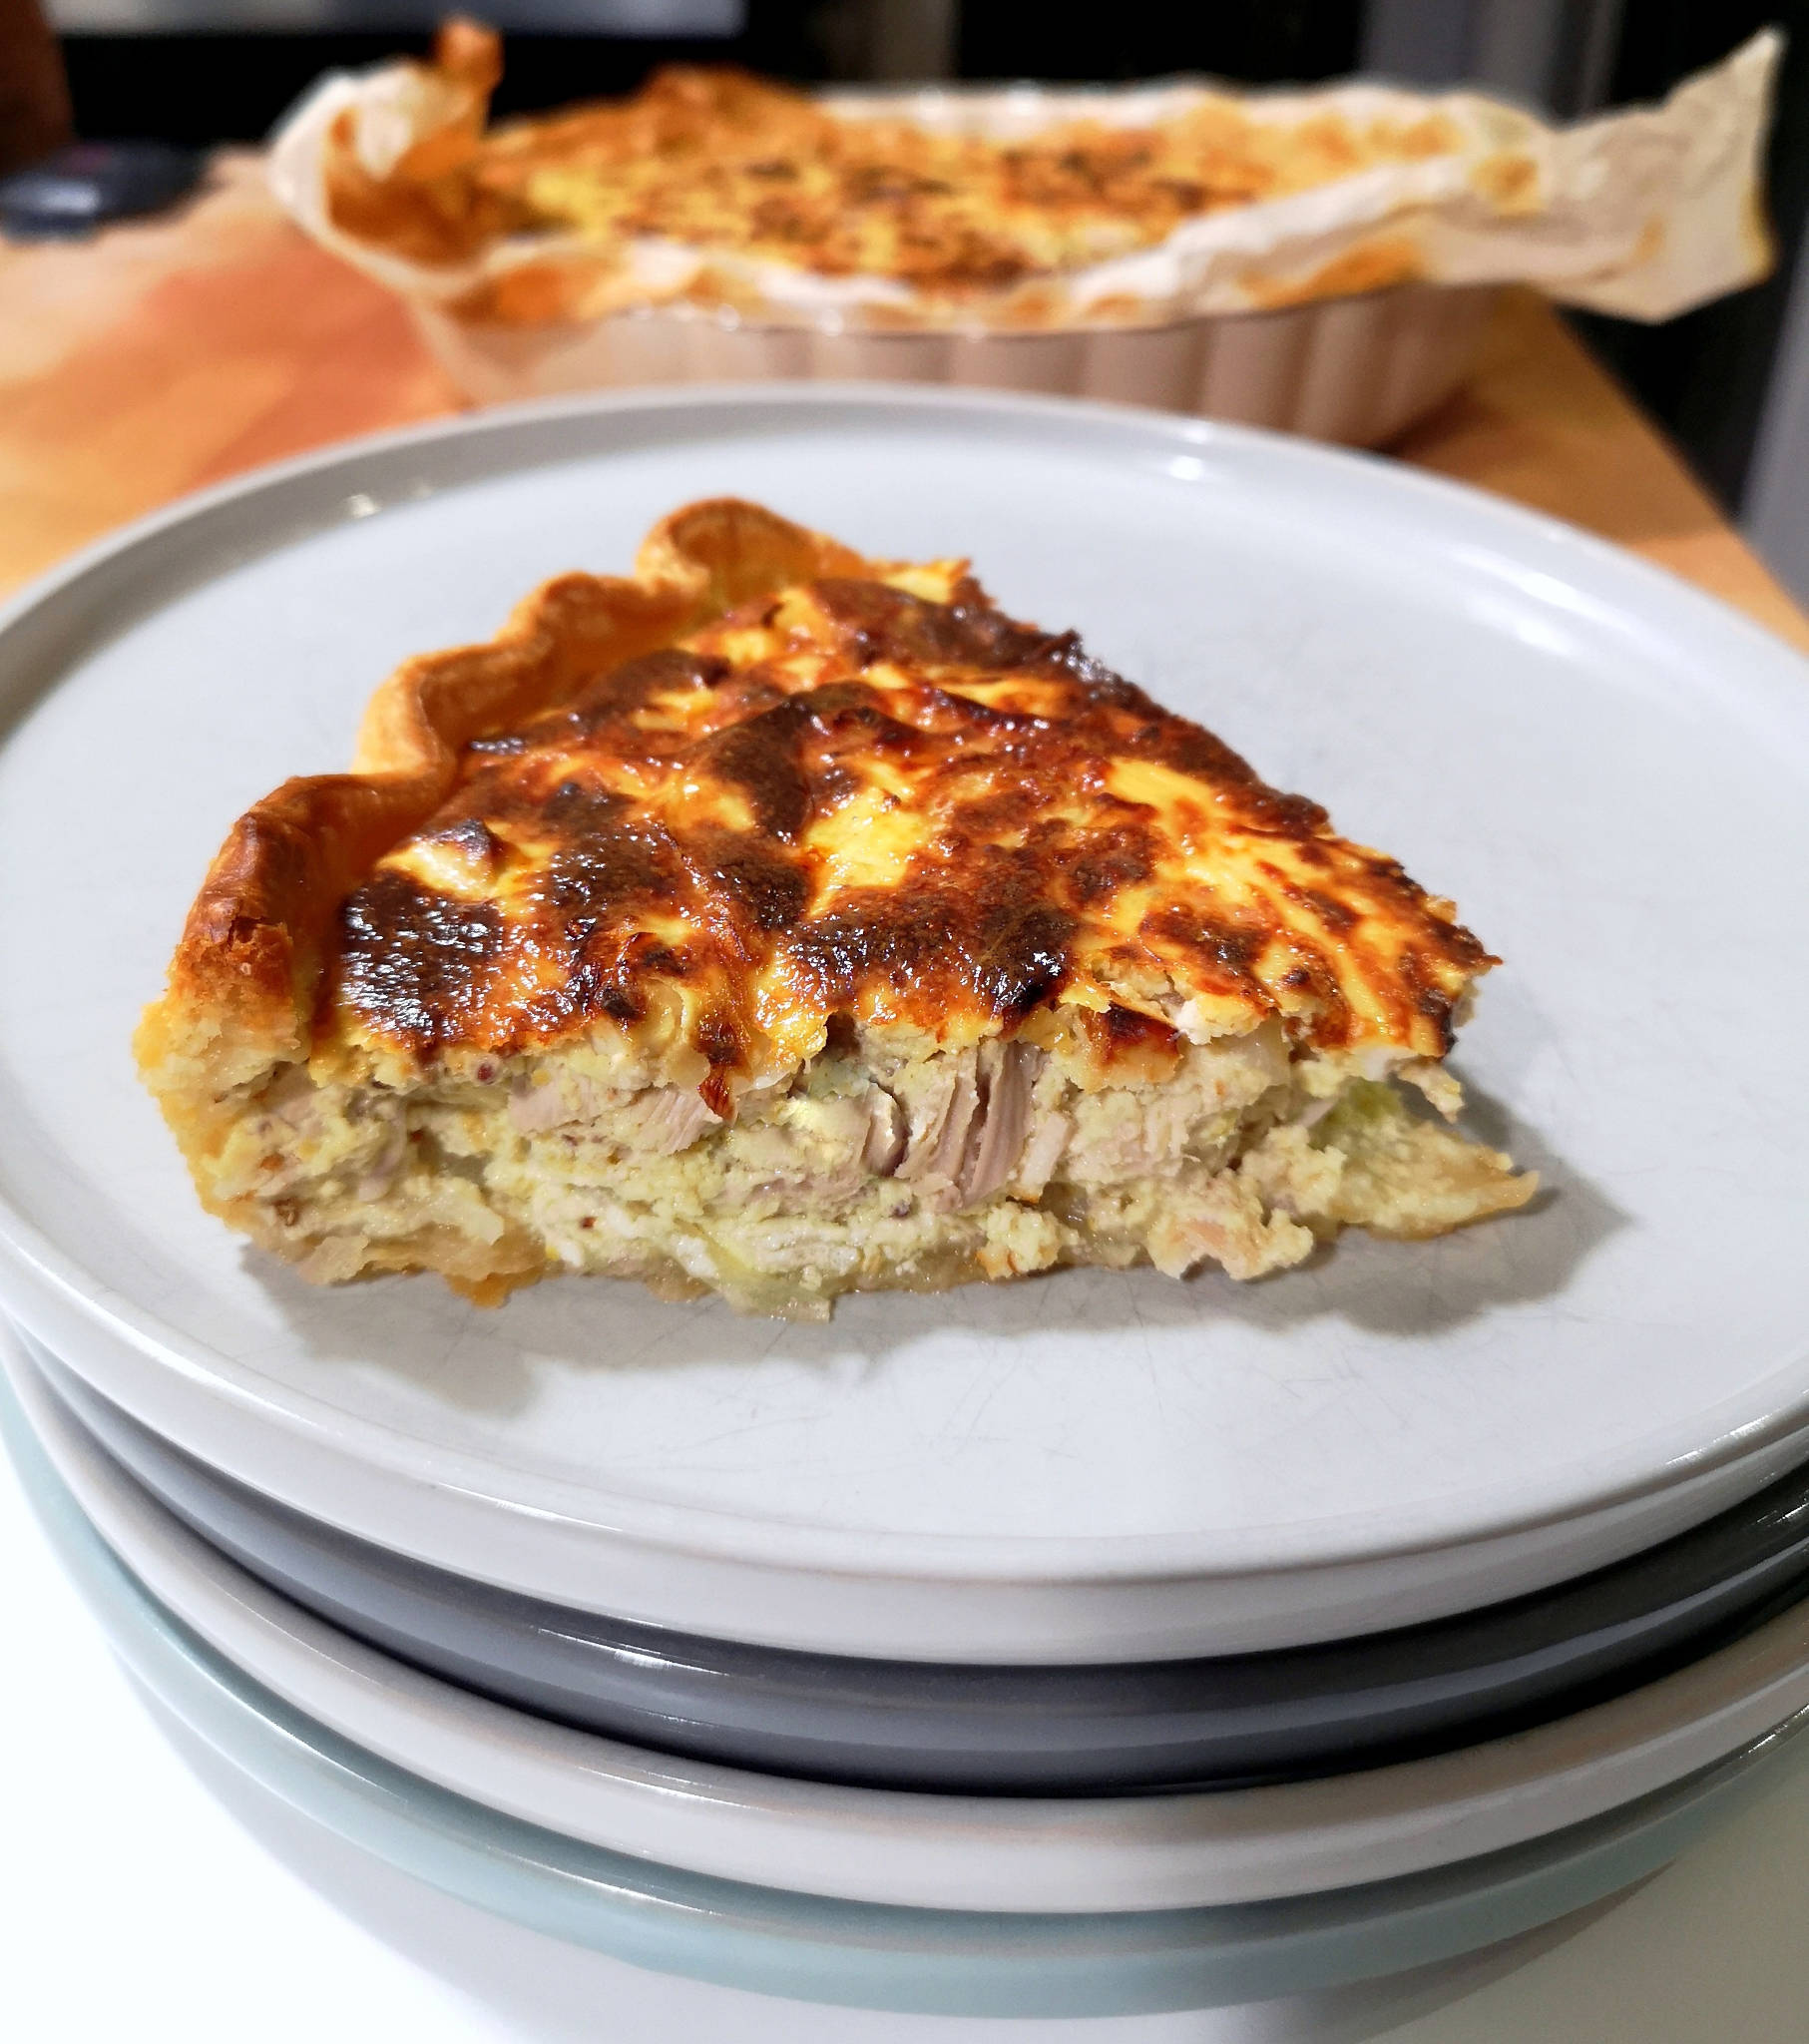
(1608, 770)
(1028, 1853)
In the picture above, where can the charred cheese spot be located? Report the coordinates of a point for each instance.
(417, 963)
(665, 679)
(883, 800)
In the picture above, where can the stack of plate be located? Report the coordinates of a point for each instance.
(1088, 1644)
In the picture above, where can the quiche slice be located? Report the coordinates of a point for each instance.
(782, 923)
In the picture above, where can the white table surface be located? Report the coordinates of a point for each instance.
(137, 1900)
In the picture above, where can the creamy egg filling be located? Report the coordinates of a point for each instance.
(864, 1169)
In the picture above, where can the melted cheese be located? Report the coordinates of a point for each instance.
(717, 160)
(879, 804)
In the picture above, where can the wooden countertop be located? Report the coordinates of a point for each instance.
(161, 357)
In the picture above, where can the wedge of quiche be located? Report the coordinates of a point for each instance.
(782, 923)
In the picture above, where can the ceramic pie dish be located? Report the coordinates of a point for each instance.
(955, 1962)
(1165, 244)
(1354, 362)
(1355, 370)
(954, 1728)
(1607, 769)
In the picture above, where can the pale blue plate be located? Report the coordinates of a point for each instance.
(862, 1954)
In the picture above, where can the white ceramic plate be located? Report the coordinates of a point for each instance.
(1606, 770)
(1028, 1853)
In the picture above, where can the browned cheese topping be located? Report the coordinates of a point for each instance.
(717, 160)
(878, 803)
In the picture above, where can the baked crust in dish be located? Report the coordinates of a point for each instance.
(719, 161)
(783, 923)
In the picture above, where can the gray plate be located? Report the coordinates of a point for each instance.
(1233, 1719)
(958, 1962)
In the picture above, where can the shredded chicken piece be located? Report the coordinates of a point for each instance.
(1008, 1071)
(884, 1148)
(996, 1160)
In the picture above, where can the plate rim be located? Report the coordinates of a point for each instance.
(432, 1614)
(223, 1713)
(1177, 1850)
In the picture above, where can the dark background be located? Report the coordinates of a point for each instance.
(1705, 375)
(232, 87)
